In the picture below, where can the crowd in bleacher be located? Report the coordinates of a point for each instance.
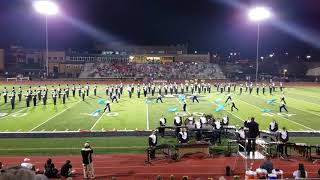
(176, 70)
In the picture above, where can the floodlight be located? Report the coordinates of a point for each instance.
(46, 7)
(259, 14)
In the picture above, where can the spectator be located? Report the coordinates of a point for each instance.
(300, 173)
(159, 177)
(1, 165)
(267, 165)
(86, 153)
(27, 164)
(185, 178)
(49, 170)
(171, 177)
(66, 169)
(113, 178)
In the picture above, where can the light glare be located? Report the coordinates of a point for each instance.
(46, 7)
(259, 14)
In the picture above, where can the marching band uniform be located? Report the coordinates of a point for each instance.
(217, 127)
(12, 101)
(283, 105)
(233, 106)
(107, 107)
(177, 122)
(73, 90)
(225, 121)
(95, 89)
(241, 139)
(87, 89)
(153, 140)
(273, 126)
(183, 136)
(20, 94)
(194, 98)
(198, 127)
(184, 106)
(159, 98)
(284, 138)
(229, 98)
(162, 122)
(5, 95)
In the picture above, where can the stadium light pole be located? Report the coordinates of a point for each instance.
(46, 8)
(258, 14)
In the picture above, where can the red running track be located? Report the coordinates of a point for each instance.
(133, 166)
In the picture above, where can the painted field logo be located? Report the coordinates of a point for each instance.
(112, 114)
(181, 114)
(285, 114)
(197, 114)
(19, 114)
(3, 114)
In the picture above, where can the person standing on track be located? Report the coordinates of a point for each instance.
(87, 164)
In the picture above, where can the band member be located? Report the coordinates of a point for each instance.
(253, 133)
(184, 106)
(281, 86)
(5, 95)
(145, 91)
(63, 98)
(67, 91)
(44, 98)
(284, 138)
(59, 91)
(129, 89)
(250, 88)
(198, 127)
(28, 99)
(114, 97)
(203, 120)
(177, 123)
(183, 136)
(54, 97)
(225, 121)
(79, 90)
(162, 122)
(83, 93)
(241, 86)
(283, 105)
(229, 98)
(233, 106)
(263, 88)
(153, 140)
(87, 89)
(12, 100)
(138, 92)
(257, 89)
(283, 99)
(217, 127)
(273, 126)
(194, 98)
(39, 93)
(241, 139)
(34, 100)
(159, 98)
(20, 94)
(107, 107)
(95, 89)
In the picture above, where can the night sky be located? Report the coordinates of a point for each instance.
(207, 25)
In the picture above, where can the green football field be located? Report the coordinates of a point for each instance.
(303, 104)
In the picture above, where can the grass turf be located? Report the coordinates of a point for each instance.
(303, 105)
(101, 145)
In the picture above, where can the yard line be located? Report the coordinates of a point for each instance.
(305, 110)
(67, 130)
(19, 130)
(280, 116)
(13, 113)
(53, 116)
(147, 116)
(97, 121)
